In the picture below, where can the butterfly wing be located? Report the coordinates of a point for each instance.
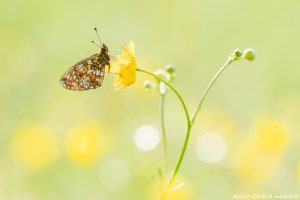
(84, 75)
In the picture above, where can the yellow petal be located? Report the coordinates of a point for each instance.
(125, 67)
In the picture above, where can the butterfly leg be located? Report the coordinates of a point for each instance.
(113, 72)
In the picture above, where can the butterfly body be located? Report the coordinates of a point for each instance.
(88, 73)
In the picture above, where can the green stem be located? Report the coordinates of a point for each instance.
(187, 136)
(189, 122)
(188, 132)
(163, 130)
(211, 83)
(174, 90)
(175, 172)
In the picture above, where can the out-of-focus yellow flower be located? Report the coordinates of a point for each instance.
(34, 146)
(180, 190)
(83, 143)
(251, 164)
(259, 155)
(180, 194)
(125, 67)
(271, 135)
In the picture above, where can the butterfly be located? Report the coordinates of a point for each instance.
(89, 72)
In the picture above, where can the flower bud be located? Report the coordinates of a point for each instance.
(163, 88)
(162, 74)
(170, 69)
(238, 53)
(148, 85)
(249, 54)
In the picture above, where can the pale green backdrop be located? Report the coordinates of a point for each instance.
(59, 144)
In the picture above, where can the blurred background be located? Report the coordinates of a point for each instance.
(105, 144)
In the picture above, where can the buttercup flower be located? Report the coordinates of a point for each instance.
(124, 67)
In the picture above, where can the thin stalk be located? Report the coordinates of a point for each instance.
(163, 130)
(211, 83)
(175, 172)
(188, 132)
(174, 90)
(189, 122)
(187, 135)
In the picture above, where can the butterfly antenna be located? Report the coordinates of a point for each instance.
(95, 44)
(97, 35)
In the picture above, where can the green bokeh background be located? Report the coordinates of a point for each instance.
(40, 40)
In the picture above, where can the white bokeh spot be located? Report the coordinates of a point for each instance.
(146, 137)
(211, 147)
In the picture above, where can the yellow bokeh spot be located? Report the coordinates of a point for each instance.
(180, 190)
(259, 155)
(271, 136)
(182, 193)
(34, 146)
(83, 143)
(251, 164)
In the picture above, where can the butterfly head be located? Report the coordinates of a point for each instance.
(104, 49)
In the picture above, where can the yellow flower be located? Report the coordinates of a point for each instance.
(180, 190)
(258, 157)
(271, 136)
(181, 193)
(83, 143)
(251, 164)
(34, 146)
(124, 67)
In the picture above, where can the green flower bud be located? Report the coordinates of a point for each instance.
(148, 85)
(163, 88)
(238, 53)
(163, 74)
(170, 69)
(249, 54)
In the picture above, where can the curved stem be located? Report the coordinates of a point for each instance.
(163, 130)
(183, 150)
(213, 80)
(187, 136)
(189, 122)
(174, 90)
